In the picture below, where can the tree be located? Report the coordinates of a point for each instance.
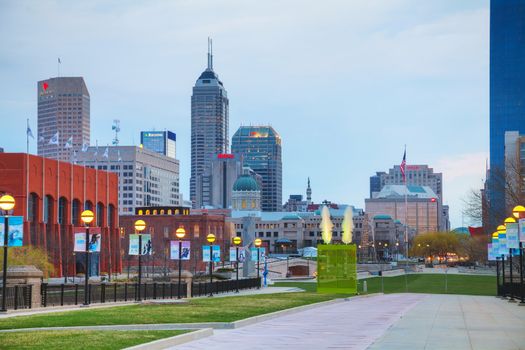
(435, 244)
(28, 255)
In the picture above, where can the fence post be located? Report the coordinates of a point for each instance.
(102, 292)
(29, 292)
(126, 291)
(115, 292)
(76, 294)
(16, 297)
(154, 290)
(44, 294)
(62, 294)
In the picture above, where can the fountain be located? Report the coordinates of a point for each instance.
(336, 263)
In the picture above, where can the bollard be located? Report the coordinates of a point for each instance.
(365, 287)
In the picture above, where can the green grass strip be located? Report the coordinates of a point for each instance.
(224, 309)
(84, 340)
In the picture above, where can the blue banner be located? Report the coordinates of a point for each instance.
(502, 240)
(513, 236)
(216, 252)
(15, 236)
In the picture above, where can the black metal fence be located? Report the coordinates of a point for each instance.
(510, 278)
(73, 294)
(18, 296)
(216, 287)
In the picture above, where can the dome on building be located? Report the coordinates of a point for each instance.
(382, 217)
(246, 183)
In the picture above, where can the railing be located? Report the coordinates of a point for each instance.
(18, 296)
(513, 288)
(73, 294)
(216, 287)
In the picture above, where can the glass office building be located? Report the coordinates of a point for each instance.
(163, 142)
(209, 123)
(260, 148)
(507, 91)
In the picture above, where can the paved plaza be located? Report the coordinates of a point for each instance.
(393, 321)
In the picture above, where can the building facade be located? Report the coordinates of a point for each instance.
(507, 92)
(260, 149)
(51, 195)
(421, 212)
(162, 142)
(209, 123)
(146, 178)
(63, 108)
(162, 225)
(214, 186)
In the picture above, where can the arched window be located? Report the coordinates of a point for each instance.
(243, 205)
(100, 214)
(75, 213)
(62, 210)
(33, 207)
(48, 208)
(88, 205)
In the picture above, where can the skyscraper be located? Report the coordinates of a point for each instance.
(63, 108)
(163, 142)
(260, 148)
(507, 92)
(209, 122)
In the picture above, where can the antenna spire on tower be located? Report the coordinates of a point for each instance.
(210, 53)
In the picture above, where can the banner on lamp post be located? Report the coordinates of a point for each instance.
(15, 236)
(503, 249)
(492, 253)
(94, 242)
(253, 251)
(216, 253)
(147, 247)
(522, 230)
(174, 250)
(513, 236)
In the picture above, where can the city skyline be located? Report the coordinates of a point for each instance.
(298, 96)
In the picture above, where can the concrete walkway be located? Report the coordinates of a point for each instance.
(458, 322)
(353, 324)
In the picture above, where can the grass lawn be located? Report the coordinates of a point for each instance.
(80, 339)
(223, 309)
(419, 283)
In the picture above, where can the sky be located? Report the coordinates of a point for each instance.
(345, 83)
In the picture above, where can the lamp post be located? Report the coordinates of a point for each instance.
(211, 238)
(237, 241)
(140, 226)
(502, 229)
(7, 203)
(87, 217)
(519, 212)
(180, 233)
(258, 243)
(508, 221)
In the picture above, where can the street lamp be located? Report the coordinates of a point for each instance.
(140, 225)
(237, 241)
(519, 212)
(87, 217)
(180, 233)
(257, 244)
(211, 238)
(7, 203)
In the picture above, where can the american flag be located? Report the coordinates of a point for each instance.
(403, 165)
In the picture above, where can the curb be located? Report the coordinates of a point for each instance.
(173, 341)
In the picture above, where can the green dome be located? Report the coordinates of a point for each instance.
(246, 183)
(382, 217)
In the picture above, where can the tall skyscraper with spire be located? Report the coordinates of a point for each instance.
(209, 122)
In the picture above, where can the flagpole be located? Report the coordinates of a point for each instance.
(58, 178)
(27, 171)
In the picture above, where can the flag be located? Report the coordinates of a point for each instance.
(59, 60)
(54, 139)
(85, 147)
(69, 143)
(403, 165)
(119, 158)
(74, 157)
(96, 152)
(29, 133)
(106, 153)
(41, 138)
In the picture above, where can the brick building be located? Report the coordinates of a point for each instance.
(51, 195)
(162, 222)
